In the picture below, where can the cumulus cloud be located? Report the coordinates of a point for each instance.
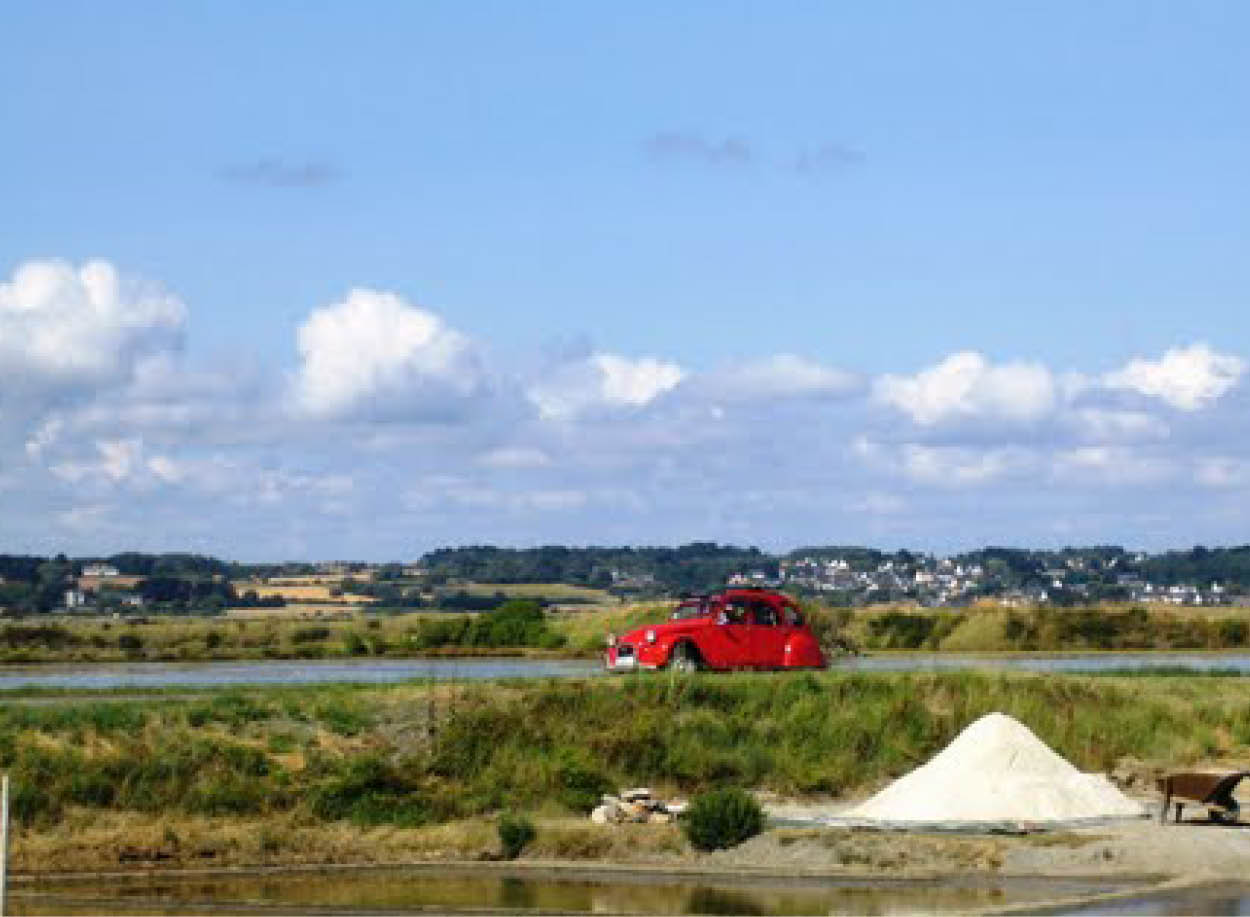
(956, 466)
(375, 353)
(1116, 465)
(116, 460)
(1102, 424)
(603, 381)
(967, 386)
(943, 465)
(1187, 378)
(778, 376)
(66, 327)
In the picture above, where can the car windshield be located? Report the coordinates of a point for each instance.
(691, 608)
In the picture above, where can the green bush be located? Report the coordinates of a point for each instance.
(515, 833)
(581, 785)
(310, 634)
(131, 643)
(723, 818)
(369, 790)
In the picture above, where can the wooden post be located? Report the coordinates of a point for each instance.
(4, 844)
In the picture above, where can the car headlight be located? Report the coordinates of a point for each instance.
(650, 636)
(611, 640)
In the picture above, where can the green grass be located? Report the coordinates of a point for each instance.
(426, 753)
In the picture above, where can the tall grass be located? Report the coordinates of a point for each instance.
(420, 754)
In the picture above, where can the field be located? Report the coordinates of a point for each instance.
(553, 592)
(345, 773)
(302, 592)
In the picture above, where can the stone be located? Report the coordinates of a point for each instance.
(677, 807)
(659, 818)
(636, 795)
(607, 815)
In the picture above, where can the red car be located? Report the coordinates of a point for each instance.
(734, 629)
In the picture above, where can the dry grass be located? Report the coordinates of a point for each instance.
(322, 593)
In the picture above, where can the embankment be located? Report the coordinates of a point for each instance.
(327, 774)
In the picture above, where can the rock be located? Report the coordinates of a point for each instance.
(677, 807)
(609, 800)
(636, 795)
(635, 811)
(600, 815)
(659, 818)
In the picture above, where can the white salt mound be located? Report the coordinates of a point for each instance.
(997, 770)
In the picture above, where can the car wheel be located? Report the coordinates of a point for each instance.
(684, 659)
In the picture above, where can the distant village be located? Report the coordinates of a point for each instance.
(935, 581)
(465, 579)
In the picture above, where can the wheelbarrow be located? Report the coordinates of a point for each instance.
(1213, 789)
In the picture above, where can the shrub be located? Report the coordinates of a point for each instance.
(723, 818)
(368, 790)
(131, 643)
(515, 833)
(580, 785)
(310, 634)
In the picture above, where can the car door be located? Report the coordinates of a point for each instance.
(768, 638)
(728, 644)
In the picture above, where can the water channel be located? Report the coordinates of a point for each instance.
(104, 676)
(461, 890)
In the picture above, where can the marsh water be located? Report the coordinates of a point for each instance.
(103, 676)
(464, 890)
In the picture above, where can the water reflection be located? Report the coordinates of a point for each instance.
(460, 890)
(1214, 900)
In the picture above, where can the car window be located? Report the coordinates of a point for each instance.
(791, 616)
(690, 608)
(734, 613)
(765, 614)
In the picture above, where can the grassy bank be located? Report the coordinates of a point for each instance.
(278, 634)
(306, 768)
(1044, 628)
(275, 636)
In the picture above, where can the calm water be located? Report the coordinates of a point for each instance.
(459, 890)
(169, 674)
(1231, 900)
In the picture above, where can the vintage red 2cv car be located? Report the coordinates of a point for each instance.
(733, 629)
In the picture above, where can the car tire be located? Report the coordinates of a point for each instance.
(684, 659)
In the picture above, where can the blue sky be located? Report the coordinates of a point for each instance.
(390, 276)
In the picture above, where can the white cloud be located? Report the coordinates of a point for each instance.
(603, 380)
(377, 353)
(1221, 472)
(779, 376)
(514, 457)
(876, 503)
(66, 327)
(956, 466)
(965, 385)
(1101, 424)
(45, 435)
(942, 466)
(1187, 378)
(1110, 465)
(115, 461)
